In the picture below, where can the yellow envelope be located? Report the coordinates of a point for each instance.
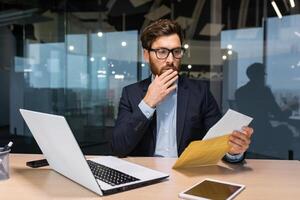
(203, 152)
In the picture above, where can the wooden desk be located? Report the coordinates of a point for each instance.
(264, 179)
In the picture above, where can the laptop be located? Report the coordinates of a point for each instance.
(102, 175)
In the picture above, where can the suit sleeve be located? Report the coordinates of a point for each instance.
(211, 110)
(130, 126)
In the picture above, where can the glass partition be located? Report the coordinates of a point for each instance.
(74, 58)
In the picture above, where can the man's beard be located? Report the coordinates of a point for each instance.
(167, 67)
(162, 69)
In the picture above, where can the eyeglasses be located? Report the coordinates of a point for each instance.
(163, 53)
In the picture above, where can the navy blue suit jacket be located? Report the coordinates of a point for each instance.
(135, 135)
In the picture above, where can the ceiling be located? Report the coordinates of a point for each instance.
(194, 15)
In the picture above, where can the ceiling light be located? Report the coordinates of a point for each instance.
(103, 58)
(92, 59)
(101, 76)
(229, 52)
(71, 48)
(276, 9)
(189, 66)
(224, 57)
(119, 76)
(100, 34)
(186, 46)
(101, 72)
(229, 46)
(27, 70)
(292, 2)
(124, 44)
(297, 33)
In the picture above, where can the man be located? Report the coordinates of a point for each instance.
(256, 99)
(161, 115)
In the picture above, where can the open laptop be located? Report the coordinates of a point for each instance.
(102, 175)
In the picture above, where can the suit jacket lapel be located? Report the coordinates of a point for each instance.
(182, 100)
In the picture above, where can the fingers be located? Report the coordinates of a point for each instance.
(166, 79)
(170, 82)
(240, 138)
(170, 89)
(168, 75)
(235, 149)
(238, 145)
(160, 87)
(240, 141)
(247, 130)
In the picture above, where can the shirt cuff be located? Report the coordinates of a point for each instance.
(234, 158)
(146, 110)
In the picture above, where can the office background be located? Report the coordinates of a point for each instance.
(73, 58)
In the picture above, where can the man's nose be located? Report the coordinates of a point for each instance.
(170, 58)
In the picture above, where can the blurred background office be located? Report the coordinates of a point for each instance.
(73, 58)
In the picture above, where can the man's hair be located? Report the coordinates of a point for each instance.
(161, 27)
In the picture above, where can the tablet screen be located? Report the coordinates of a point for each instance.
(213, 190)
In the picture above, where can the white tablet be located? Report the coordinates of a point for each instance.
(212, 189)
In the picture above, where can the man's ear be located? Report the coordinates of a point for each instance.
(146, 55)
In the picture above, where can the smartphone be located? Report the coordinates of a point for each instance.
(212, 189)
(37, 163)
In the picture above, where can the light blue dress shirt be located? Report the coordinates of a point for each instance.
(166, 115)
(166, 143)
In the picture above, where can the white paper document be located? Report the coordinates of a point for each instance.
(231, 121)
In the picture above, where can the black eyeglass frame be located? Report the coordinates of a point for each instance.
(169, 51)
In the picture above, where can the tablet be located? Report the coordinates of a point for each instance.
(212, 189)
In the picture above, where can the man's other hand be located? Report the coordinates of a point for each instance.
(240, 140)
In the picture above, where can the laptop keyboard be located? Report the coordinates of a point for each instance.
(108, 175)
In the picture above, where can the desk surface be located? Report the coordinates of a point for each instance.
(264, 179)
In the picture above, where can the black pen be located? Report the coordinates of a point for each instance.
(7, 147)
